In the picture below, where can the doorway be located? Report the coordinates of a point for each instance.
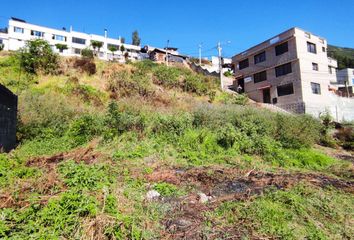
(241, 83)
(266, 95)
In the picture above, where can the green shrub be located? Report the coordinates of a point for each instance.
(166, 76)
(119, 120)
(145, 66)
(44, 115)
(306, 158)
(239, 99)
(124, 84)
(195, 84)
(172, 125)
(297, 131)
(83, 129)
(37, 56)
(81, 176)
(87, 53)
(59, 218)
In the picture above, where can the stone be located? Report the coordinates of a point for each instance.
(152, 195)
(203, 198)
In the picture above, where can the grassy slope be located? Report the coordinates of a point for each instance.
(75, 176)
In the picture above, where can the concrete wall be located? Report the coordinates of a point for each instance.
(8, 119)
(340, 108)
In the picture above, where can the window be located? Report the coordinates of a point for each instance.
(79, 40)
(286, 89)
(311, 47)
(315, 66)
(281, 48)
(18, 30)
(77, 51)
(260, 57)
(37, 33)
(323, 49)
(243, 64)
(283, 70)
(316, 88)
(330, 70)
(260, 77)
(59, 38)
(353, 81)
(1, 41)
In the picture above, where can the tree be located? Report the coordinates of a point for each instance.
(135, 38)
(61, 47)
(113, 49)
(122, 48)
(1, 46)
(87, 53)
(96, 45)
(36, 56)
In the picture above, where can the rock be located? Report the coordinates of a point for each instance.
(152, 195)
(203, 198)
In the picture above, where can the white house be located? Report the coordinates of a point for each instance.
(19, 31)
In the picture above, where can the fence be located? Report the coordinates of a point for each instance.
(8, 119)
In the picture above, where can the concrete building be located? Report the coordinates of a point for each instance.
(8, 119)
(292, 71)
(19, 31)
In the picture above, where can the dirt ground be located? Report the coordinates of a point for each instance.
(186, 219)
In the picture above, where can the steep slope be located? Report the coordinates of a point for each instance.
(145, 151)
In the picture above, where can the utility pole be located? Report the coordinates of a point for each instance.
(200, 54)
(166, 60)
(220, 65)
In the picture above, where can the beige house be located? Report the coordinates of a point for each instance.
(291, 70)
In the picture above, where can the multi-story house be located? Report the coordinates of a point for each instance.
(19, 31)
(291, 70)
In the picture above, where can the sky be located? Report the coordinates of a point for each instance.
(187, 23)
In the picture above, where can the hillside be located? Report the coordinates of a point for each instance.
(145, 151)
(345, 56)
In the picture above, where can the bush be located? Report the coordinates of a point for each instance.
(125, 83)
(82, 176)
(195, 84)
(37, 56)
(44, 115)
(83, 129)
(239, 99)
(166, 76)
(297, 131)
(172, 125)
(121, 120)
(346, 136)
(87, 53)
(85, 65)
